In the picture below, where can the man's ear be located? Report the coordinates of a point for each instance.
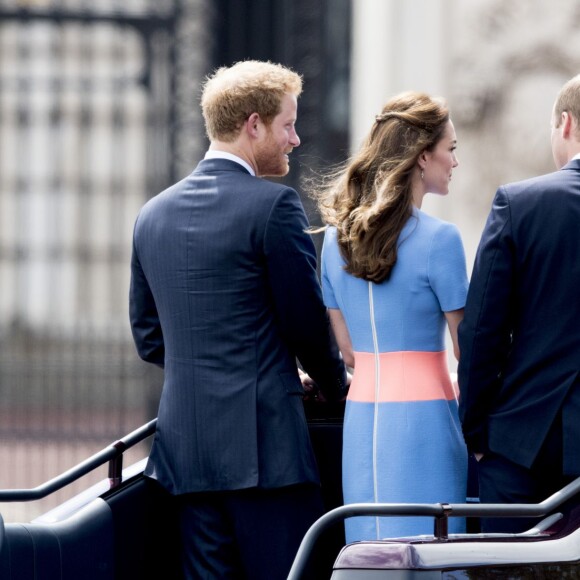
(252, 124)
(566, 124)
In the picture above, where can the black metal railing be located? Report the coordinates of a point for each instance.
(440, 511)
(113, 454)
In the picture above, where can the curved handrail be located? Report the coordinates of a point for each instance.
(440, 511)
(111, 454)
(437, 510)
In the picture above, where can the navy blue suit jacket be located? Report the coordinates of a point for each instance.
(520, 338)
(224, 296)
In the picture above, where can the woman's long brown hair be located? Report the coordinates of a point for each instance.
(369, 199)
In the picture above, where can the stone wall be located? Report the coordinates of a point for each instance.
(508, 60)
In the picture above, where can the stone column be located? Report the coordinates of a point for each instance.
(396, 46)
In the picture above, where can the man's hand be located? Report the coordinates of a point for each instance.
(307, 383)
(310, 387)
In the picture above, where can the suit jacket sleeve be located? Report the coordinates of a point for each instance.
(145, 324)
(485, 332)
(297, 297)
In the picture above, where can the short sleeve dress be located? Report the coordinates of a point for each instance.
(402, 435)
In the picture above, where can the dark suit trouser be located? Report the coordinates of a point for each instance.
(251, 534)
(502, 481)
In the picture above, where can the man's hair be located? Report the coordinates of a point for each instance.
(568, 101)
(233, 93)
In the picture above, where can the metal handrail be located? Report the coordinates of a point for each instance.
(440, 511)
(113, 454)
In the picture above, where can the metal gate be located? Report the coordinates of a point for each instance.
(96, 115)
(99, 111)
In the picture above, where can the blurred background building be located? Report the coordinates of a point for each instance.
(99, 112)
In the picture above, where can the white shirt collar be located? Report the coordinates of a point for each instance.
(214, 154)
(577, 156)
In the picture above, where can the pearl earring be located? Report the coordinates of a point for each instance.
(422, 174)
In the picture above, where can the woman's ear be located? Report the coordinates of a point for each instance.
(422, 160)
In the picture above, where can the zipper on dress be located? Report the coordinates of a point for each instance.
(376, 404)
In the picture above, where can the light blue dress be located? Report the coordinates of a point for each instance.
(402, 436)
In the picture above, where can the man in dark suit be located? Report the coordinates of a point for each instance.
(520, 338)
(224, 296)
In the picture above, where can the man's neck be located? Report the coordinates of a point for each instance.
(228, 153)
(234, 148)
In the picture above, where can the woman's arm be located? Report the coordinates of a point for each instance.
(454, 317)
(342, 336)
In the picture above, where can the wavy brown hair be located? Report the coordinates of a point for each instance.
(369, 199)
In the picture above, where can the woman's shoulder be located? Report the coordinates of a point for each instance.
(330, 250)
(429, 220)
(434, 233)
(330, 236)
(434, 225)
